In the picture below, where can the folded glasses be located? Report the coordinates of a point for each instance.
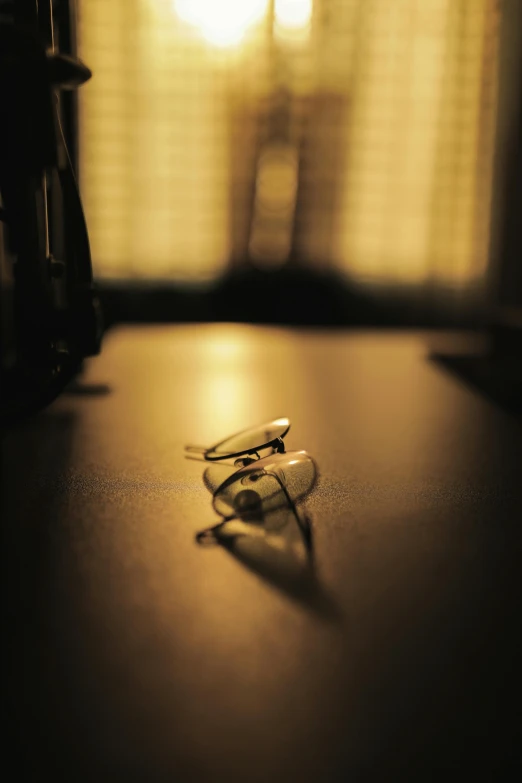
(247, 443)
(261, 485)
(256, 490)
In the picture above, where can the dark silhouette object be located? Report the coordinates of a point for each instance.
(81, 389)
(292, 295)
(496, 373)
(50, 316)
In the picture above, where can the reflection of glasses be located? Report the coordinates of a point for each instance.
(247, 442)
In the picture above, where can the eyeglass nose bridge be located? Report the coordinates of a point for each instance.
(277, 445)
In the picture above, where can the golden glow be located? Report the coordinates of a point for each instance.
(229, 398)
(221, 22)
(223, 346)
(154, 145)
(274, 207)
(277, 178)
(416, 138)
(293, 21)
(386, 168)
(293, 14)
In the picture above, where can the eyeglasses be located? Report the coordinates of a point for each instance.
(247, 442)
(261, 485)
(294, 473)
(256, 490)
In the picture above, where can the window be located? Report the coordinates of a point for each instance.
(356, 134)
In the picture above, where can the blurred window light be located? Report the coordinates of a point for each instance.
(293, 14)
(388, 171)
(221, 22)
(293, 21)
(274, 206)
(277, 178)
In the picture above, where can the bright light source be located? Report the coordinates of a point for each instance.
(221, 22)
(293, 14)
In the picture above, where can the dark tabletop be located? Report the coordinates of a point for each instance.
(391, 651)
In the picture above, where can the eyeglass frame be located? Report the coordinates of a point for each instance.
(277, 444)
(304, 524)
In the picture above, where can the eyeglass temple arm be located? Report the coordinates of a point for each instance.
(303, 522)
(277, 445)
(196, 449)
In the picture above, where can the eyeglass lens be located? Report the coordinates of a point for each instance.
(250, 440)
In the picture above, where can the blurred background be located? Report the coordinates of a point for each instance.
(322, 161)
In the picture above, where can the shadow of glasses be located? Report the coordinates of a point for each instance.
(263, 527)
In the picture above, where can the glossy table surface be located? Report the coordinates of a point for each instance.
(391, 651)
